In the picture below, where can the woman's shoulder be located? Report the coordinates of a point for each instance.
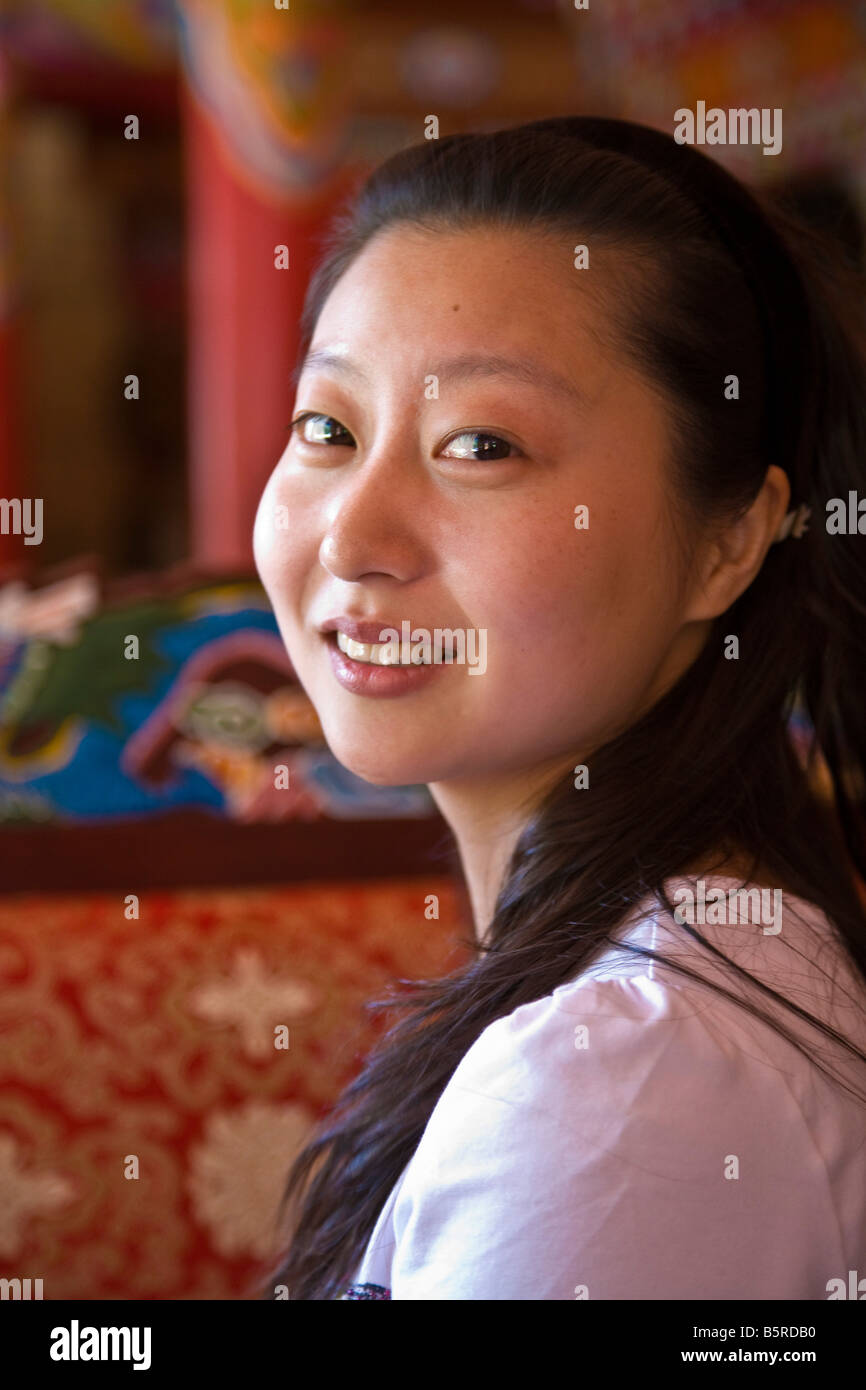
(633, 1110)
(633, 1002)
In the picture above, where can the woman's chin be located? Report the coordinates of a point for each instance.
(388, 767)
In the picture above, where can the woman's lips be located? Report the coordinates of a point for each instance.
(360, 629)
(367, 678)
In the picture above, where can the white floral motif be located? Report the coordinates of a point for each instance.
(254, 1001)
(24, 1194)
(238, 1173)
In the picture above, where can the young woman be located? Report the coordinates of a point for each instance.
(573, 396)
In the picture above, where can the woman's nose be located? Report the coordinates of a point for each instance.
(373, 525)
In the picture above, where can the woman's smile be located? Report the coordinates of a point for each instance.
(362, 676)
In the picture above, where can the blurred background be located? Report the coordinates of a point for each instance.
(186, 939)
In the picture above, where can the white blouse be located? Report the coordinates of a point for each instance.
(635, 1135)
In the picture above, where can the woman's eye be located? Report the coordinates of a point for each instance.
(326, 429)
(480, 446)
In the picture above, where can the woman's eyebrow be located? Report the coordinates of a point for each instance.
(454, 368)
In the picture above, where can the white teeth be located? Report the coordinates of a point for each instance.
(376, 653)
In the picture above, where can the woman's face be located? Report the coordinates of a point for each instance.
(440, 490)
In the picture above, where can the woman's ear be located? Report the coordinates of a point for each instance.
(732, 558)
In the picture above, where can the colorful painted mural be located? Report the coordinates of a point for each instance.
(177, 696)
(272, 81)
(807, 57)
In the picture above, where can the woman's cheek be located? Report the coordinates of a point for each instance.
(281, 533)
(264, 530)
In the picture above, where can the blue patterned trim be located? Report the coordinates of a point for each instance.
(358, 1291)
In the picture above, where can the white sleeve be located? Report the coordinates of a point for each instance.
(657, 1154)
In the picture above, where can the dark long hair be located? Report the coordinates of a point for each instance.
(714, 279)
